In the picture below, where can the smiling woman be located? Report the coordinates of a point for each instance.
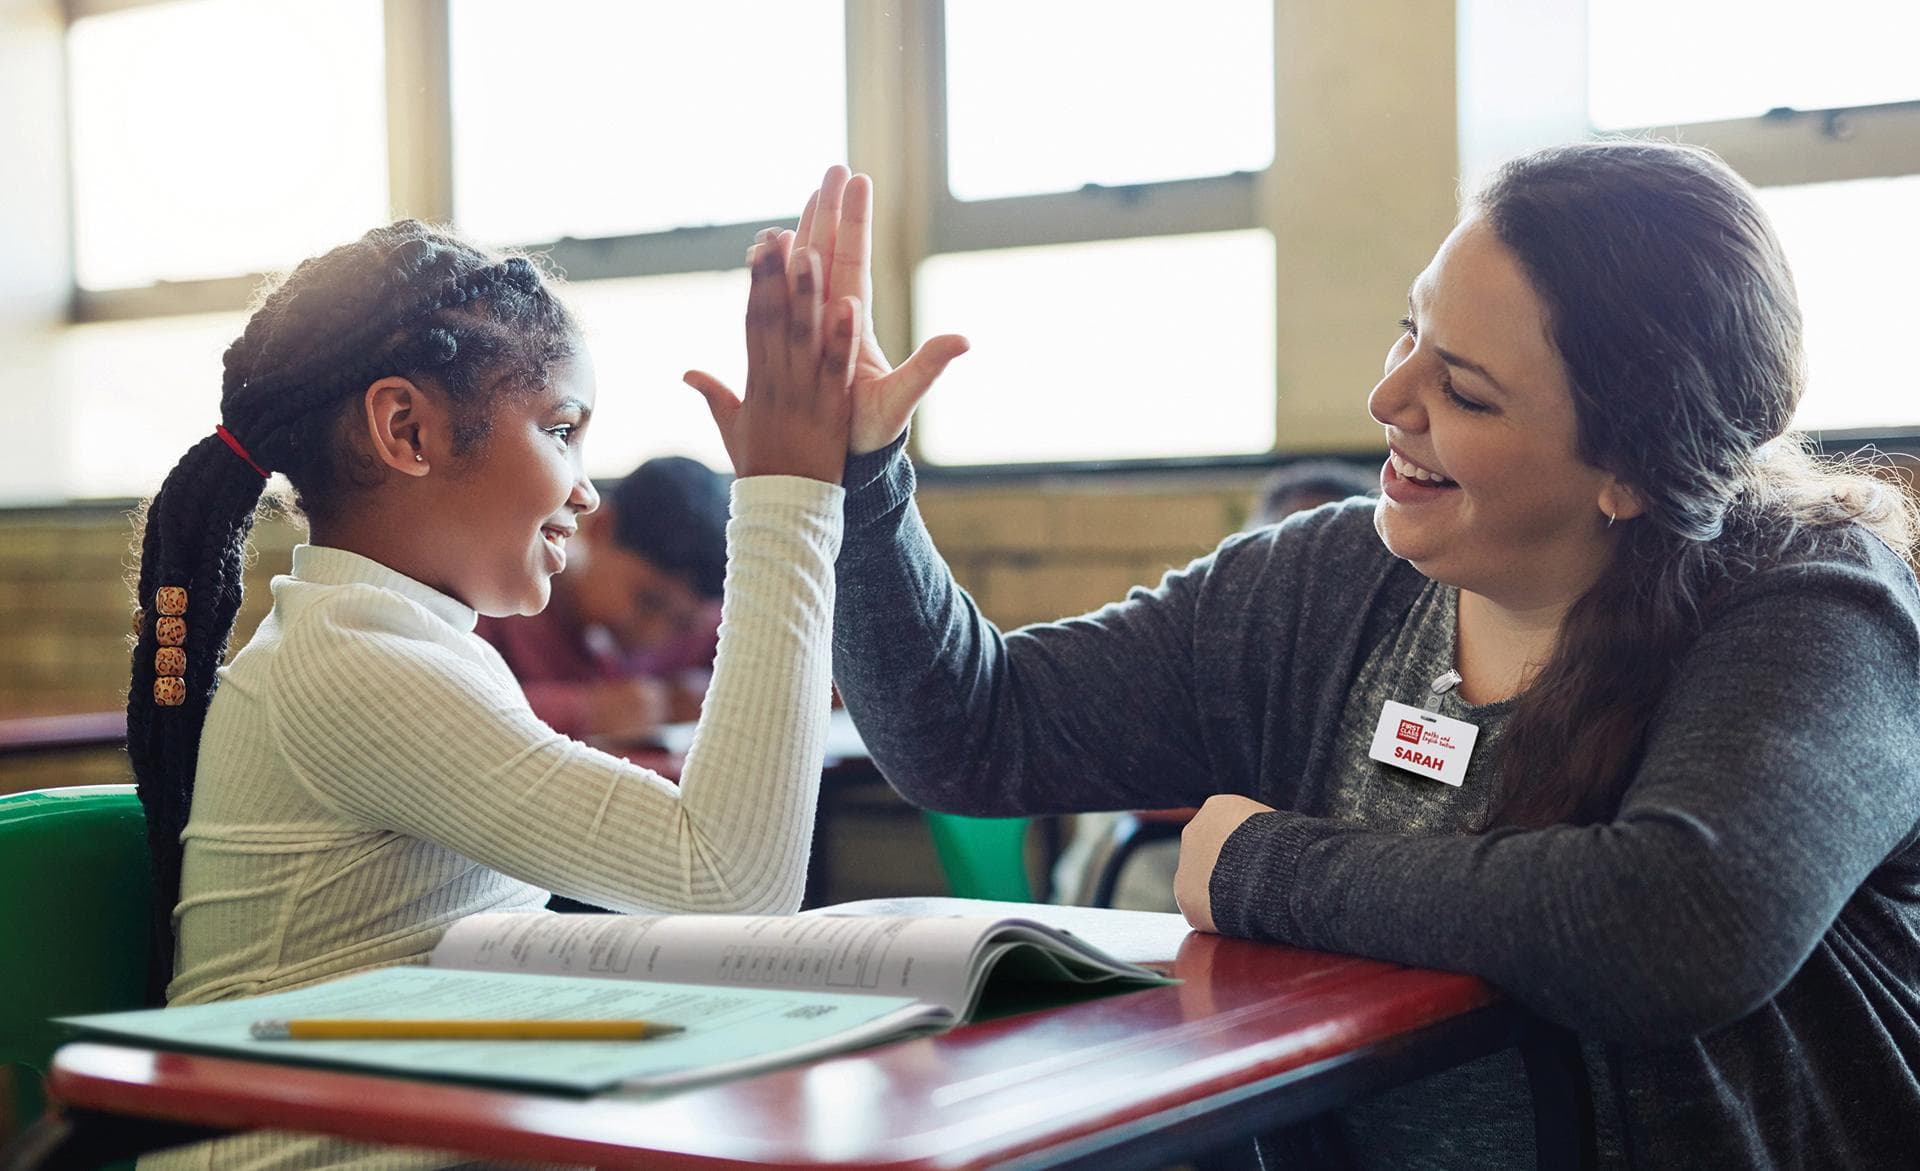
(1485, 488)
(1687, 693)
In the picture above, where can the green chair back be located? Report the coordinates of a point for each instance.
(74, 889)
(983, 857)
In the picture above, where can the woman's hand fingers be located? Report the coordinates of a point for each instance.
(884, 404)
(803, 236)
(850, 273)
(1200, 845)
(825, 228)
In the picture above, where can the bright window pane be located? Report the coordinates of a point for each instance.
(643, 334)
(1052, 96)
(604, 117)
(1854, 248)
(1125, 349)
(140, 393)
(224, 136)
(1655, 62)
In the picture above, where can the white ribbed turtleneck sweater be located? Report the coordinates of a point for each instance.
(370, 771)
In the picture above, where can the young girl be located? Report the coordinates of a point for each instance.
(367, 771)
(1690, 826)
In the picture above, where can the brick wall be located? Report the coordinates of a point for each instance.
(1026, 553)
(65, 613)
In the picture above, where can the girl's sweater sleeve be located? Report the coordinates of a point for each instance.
(1778, 776)
(399, 723)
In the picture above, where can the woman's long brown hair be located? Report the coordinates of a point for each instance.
(1670, 301)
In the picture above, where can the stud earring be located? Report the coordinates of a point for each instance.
(418, 458)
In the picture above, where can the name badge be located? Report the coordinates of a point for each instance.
(1423, 742)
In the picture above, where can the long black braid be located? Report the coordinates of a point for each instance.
(409, 300)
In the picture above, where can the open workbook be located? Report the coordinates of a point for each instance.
(750, 992)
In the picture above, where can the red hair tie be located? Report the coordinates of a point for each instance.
(226, 437)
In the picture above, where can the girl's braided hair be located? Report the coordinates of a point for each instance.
(408, 299)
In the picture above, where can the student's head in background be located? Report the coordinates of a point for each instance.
(1308, 483)
(653, 557)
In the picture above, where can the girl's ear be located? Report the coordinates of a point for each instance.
(402, 421)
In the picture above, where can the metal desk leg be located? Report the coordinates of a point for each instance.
(1563, 1132)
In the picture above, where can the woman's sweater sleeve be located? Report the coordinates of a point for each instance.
(397, 725)
(1097, 712)
(1780, 772)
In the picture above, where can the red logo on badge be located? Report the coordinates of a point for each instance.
(1409, 731)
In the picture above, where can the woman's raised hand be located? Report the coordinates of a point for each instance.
(838, 224)
(794, 418)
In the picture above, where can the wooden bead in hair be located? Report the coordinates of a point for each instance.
(170, 600)
(169, 631)
(169, 691)
(170, 660)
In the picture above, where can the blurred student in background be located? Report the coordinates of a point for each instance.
(627, 642)
(1307, 484)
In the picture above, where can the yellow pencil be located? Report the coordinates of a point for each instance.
(448, 1030)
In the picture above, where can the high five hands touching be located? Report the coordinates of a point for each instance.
(837, 225)
(794, 417)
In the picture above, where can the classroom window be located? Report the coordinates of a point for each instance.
(1657, 63)
(1113, 350)
(643, 333)
(1031, 159)
(1854, 248)
(1819, 107)
(1097, 236)
(1050, 97)
(589, 118)
(139, 394)
(252, 130)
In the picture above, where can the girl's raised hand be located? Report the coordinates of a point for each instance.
(838, 224)
(794, 418)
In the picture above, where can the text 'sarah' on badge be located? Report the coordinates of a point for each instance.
(1423, 742)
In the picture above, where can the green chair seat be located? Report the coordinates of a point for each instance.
(983, 857)
(74, 889)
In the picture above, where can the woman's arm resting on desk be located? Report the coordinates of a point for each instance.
(1201, 841)
(1780, 775)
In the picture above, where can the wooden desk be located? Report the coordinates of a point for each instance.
(1255, 1037)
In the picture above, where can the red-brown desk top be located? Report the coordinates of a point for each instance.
(976, 1096)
